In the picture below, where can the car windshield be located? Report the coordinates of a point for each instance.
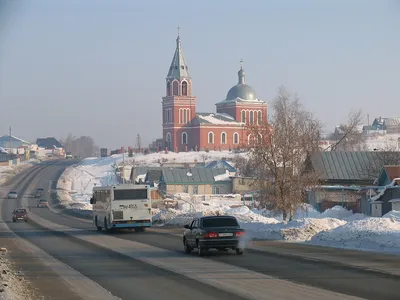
(21, 210)
(43, 200)
(39, 190)
(12, 192)
(220, 222)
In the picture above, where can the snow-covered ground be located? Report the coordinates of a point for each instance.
(6, 172)
(336, 227)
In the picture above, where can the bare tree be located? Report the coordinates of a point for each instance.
(83, 146)
(378, 159)
(243, 166)
(349, 137)
(279, 150)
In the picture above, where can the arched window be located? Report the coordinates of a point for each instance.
(184, 88)
(255, 117)
(168, 88)
(236, 138)
(243, 116)
(168, 141)
(211, 138)
(259, 117)
(184, 138)
(175, 88)
(223, 138)
(251, 117)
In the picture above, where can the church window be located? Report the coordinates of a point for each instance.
(236, 138)
(211, 138)
(184, 88)
(223, 138)
(243, 116)
(184, 138)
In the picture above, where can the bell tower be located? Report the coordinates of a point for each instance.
(178, 106)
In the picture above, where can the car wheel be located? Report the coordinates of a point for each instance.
(97, 226)
(105, 225)
(201, 251)
(186, 247)
(14, 221)
(26, 220)
(239, 251)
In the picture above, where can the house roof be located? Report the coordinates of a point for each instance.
(191, 176)
(5, 140)
(153, 175)
(216, 119)
(349, 166)
(220, 164)
(392, 172)
(48, 143)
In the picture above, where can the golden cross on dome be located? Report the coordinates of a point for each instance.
(241, 63)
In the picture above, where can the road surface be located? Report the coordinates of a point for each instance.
(129, 278)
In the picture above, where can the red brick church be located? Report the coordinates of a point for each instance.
(185, 129)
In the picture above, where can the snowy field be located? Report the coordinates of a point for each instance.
(336, 227)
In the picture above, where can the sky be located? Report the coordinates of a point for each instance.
(98, 67)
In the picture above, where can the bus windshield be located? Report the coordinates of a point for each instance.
(131, 194)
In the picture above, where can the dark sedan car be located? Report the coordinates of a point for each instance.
(214, 232)
(20, 214)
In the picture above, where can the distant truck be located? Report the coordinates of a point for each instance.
(68, 155)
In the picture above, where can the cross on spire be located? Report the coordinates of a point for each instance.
(241, 63)
(179, 30)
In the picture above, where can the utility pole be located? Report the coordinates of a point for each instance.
(10, 130)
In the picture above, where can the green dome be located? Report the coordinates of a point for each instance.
(242, 91)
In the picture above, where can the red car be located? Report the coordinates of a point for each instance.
(20, 214)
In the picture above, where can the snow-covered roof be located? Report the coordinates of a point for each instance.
(217, 119)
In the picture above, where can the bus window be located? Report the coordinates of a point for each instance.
(132, 194)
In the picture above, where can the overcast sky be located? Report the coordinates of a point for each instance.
(98, 67)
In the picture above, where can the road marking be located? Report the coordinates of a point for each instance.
(243, 282)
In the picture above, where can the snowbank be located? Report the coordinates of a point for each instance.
(376, 234)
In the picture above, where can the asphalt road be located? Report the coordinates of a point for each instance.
(131, 279)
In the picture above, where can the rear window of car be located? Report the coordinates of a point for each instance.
(20, 210)
(12, 192)
(220, 222)
(43, 200)
(39, 190)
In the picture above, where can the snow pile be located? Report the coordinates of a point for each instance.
(376, 234)
(222, 177)
(394, 214)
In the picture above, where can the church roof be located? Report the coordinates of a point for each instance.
(216, 119)
(178, 68)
